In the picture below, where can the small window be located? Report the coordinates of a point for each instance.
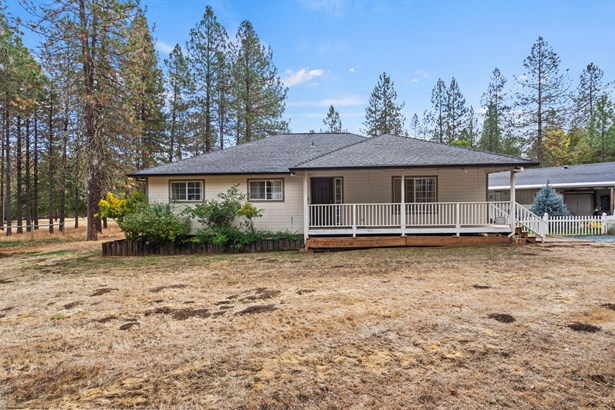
(266, 190)
(187, 191)
(417, 190)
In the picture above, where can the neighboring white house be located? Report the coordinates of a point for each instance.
(586, 188)
(346, 184)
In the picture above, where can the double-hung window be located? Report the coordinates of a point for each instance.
(185, 191)
(266, 190)
(417, 189)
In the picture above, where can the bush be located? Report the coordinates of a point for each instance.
(548, 201)
(250, 212)
(232, 237)
(155, 223)
(216, 214)
(116, 208)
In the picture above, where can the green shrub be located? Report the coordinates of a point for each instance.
(155, 223)
(215, 214)
(116, 207)
(547, 200)
(250, 212)
(232, 237)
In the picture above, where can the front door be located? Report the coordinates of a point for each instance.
(323, 190)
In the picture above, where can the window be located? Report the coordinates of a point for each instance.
(418, 189)
(266, 190)
(187, 191)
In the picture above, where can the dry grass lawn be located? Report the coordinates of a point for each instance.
(388, 328)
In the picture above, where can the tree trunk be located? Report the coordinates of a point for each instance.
(8, 212)
(2, 178)
(35, 172)
(50, 164)
(28, 187)
(18, 182)
(63, 177)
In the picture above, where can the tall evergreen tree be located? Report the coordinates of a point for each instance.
(590, 89)
(601, 132)
(383, 115)
(144, 95)
(543, 96)
(207, 53)
(456, 112)
(415, 126)
(437, 117)
(179, 86)
(258, 92)
(332, 121)
(497, 112)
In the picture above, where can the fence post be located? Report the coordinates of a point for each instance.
(545, 226)
(604, 225)
(354, 220)
(457, 219)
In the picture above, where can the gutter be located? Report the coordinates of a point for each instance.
(562, 185)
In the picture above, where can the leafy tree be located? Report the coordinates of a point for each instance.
(257, 91)
(383, 115)
(543, 96)
(144, 95)
(179, 85)
(558, 148)
(548, 201)
(332, 121)
(437, 117)
(207, 50)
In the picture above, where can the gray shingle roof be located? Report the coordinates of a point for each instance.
(390, 151)
(285, 152)
(275, 154)
(571, 175)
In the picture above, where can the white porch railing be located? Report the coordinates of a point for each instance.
(453, 215)
(529, 221)
(576, 225)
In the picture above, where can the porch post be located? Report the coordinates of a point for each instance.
(513, 200)
(402, 211)
(306, 209)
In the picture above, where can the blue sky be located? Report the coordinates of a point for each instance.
(332, 51)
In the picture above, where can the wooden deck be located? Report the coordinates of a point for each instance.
(403, 241)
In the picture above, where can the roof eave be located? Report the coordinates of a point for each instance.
(191, 174)
(506, 165)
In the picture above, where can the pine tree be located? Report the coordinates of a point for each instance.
(543, 96)
(383, 115)
(179, 85)
(207, 51)
(601, 131)
(437, 117)
(548, 201)
(590, 89)
(469, 134)
(332, 121)
(415, 126)
(494, 101)
(456, 112)
(144, 95)
(258, 93)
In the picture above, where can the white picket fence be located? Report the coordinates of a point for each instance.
(576, 225)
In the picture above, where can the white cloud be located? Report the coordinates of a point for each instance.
(163, 47)
(522, 77)
(414, 80)
(292, 78)
(325, 102)
(351, 69)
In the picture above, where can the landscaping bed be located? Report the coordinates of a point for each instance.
(127, 247)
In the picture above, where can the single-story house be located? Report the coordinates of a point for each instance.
(343, 184)
(586, 187)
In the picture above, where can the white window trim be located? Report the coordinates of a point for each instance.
(265, 199)
(414, 178)
(186, 182)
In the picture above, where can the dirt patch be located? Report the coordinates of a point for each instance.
(106, 319)
(304, 291)
(180, 314)
(583, 327)
(6, 309)
(257, 309)
(608, 306)
(2, 315)
(225, 307)
(5, 281)
(502, 317)
(223, 302)
(129, 325)
(481, 286)
(72, 305)
(161, 288)
(102, 291)
(261, 294)
(219, 313)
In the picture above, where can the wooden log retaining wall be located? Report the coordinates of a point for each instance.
(138, 248)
